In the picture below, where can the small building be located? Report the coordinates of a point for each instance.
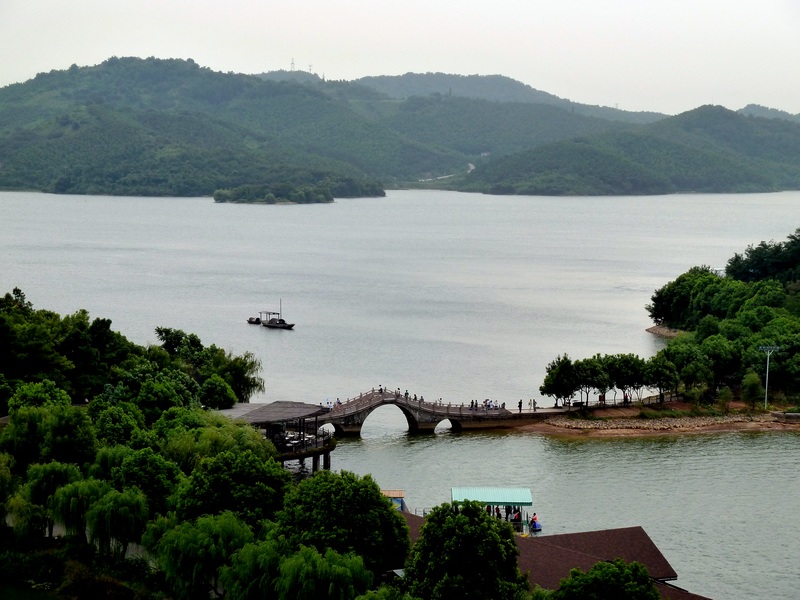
(293, 427)
(547, 559)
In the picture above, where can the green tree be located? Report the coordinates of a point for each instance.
(216, 393)
(192, 554)
(253, 569)
(463, 552)
(117, 520)
(72, 501)
(627, 373)
(309, 575)
(243, 483)
(661, 374)
(188, 436)
(115, 425)
(6, 483)
(614, 579)
(68, 435)
(156, 476)
(560, 381)
(32, 507)
(39, 394)
(23, 436)
(725, 359)
(346, 513)
(590, 374)
(752, 390)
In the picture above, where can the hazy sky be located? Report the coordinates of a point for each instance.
(665, 56)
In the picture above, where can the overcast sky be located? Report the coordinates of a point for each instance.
(656, 55)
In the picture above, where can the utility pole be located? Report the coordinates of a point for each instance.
(769, 350)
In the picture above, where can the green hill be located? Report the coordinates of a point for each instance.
(709, 149)
(134, 126)
(169, 127)
(495, 88)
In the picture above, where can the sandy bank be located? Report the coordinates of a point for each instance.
(631, 427)
(664, 332)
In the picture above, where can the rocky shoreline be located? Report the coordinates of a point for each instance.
(630, 427)
(665, 332)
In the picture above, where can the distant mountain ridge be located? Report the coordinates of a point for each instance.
(496, 88)
(709, 149)
(133, 126)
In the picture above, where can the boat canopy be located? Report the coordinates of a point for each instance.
(496, 496)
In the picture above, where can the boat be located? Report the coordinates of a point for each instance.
(274, 320)
(254, 320)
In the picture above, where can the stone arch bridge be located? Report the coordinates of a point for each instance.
(423, 416)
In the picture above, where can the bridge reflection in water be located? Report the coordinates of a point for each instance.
(423, 416)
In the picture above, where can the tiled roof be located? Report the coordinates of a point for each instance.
(546, 559)
(274, 412)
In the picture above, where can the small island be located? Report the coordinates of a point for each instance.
(312, 188)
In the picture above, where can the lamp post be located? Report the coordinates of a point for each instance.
(769, 350)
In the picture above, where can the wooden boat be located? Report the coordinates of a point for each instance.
(274, 320)
(254, 320)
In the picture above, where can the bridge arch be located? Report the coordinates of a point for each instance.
(422, 417)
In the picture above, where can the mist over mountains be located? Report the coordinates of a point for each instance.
(133, 126)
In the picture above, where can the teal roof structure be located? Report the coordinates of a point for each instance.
(499, 496)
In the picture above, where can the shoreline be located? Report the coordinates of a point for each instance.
(664, 332)
(631, 427)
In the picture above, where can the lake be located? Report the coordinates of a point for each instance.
(452, 296)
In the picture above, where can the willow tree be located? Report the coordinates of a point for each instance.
(117, 520)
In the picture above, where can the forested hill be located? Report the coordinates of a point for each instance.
(169, 127)
(133, 126)
(709, 149)
(495, 88)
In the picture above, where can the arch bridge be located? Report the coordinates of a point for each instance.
(422, 416)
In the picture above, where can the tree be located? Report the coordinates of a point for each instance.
(39, 394)
(156, 476)
(193, 553)
(115, 425)
(68, 435)
(23, 436)
(187, 436)
(253, 569)
(347, 513)
(463, 552)
(72, 501)
(309, 575)
(216, 393)
(6, 483)
(615, 579)
(32, 506)
(116, 520)
(627, 372)
(661, 374)
(725, 359)
(560, 382)
(590, 374)
(243, 483)
(752, 390)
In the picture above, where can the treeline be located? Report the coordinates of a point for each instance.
(726, 320)
(709, 149)
(170, 127)
(107, 446)
(304, 188)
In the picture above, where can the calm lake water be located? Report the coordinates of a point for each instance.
(458, 296)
